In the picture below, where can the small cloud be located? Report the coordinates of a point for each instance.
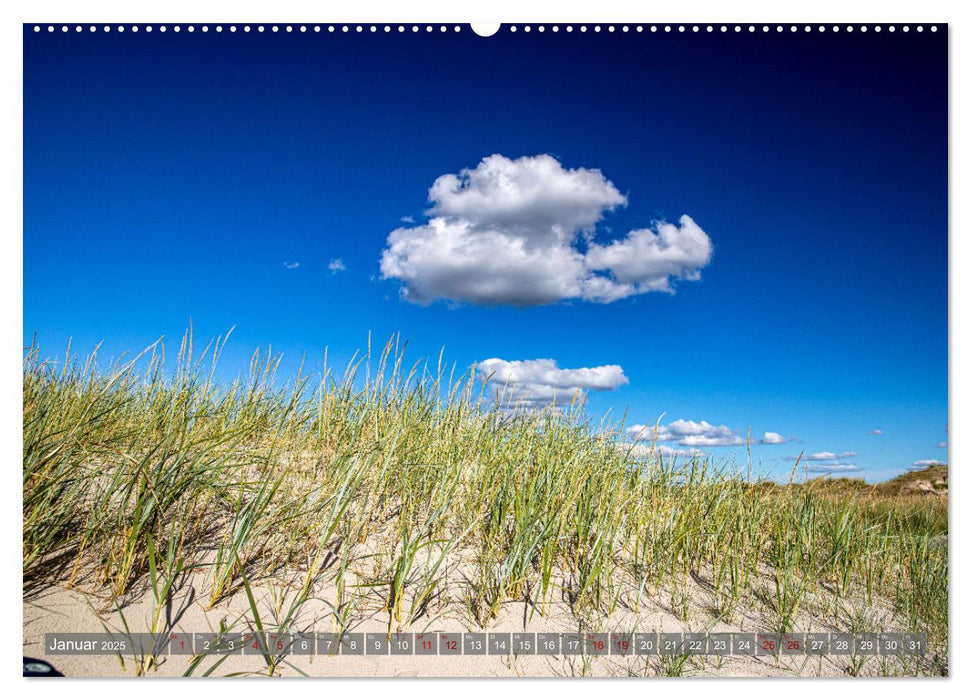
(291, 265)
(688, 433)
(876, 431)
(536, 383)
(924, 463)
(407, 219)
(832, 468)
(336, 265)
(942, 444)
(770, 438)
(824, 456)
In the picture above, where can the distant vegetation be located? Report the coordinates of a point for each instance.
(386, 481)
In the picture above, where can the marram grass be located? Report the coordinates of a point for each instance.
(139, 473)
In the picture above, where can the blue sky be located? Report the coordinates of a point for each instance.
(169, 176)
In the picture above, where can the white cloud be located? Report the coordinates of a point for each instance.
(876, 431)
(533, 383)
(922, 463)
(770, 438)
(506, 232)
(407, 219)
(291, 265)
(825, 456)
(832, 467)
(688, 433)
(336, 265)
(942, 444)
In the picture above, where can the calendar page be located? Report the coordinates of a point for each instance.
(513, 350)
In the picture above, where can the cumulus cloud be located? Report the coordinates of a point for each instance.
(533, 383)
(832, 467)
(876, 431)
(336, 265)
(923, 463)
(770, 438)
(521, 232)
(688, 433)
(291, 265)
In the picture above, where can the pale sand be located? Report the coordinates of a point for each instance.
(57, 610)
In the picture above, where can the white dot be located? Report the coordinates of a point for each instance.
(892, 28)
(611, 28)
(934, 29)
(906, 28)
(695, 29)
(751, 28)
(77, 28)
(428, 28)
(878, 28)
(863, 29)
(387, 29)
(121, 29)
(654, 28)
(569, 29)
(36, 28)
(458, 28)
(667, 28)
(64, 28)
(920, 28)
(724, 28)
(583, 28)
(555, 29)
(640, 28)
(626, 28)
(710, 29)
(681, 29)
(597, 28)
(162, 29)
(849, 29)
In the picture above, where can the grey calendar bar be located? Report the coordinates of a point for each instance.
(495, 643)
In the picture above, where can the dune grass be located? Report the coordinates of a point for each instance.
(412, 477)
